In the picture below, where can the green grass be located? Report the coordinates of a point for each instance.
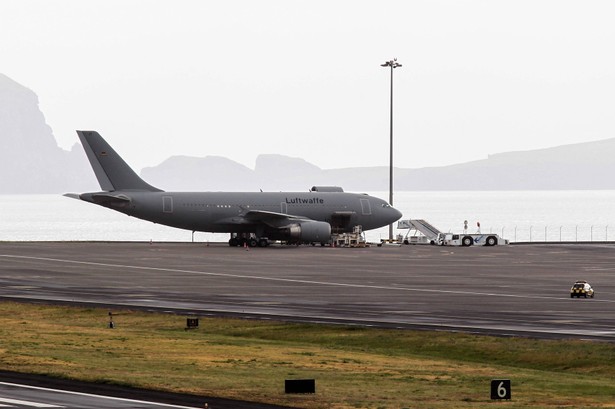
(353, 367)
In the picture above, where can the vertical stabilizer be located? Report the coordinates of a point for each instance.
(110, 169)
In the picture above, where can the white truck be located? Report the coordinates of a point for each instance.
(466, 240)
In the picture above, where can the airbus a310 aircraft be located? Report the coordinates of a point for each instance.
(252, 218)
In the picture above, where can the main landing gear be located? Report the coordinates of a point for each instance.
(247, 240)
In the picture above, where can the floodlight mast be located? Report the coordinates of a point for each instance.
(393, 64)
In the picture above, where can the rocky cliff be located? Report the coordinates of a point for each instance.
(31, 161)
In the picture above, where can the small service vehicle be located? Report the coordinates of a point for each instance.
(466, 240)
(581, 289)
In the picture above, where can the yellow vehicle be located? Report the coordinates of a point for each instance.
(581, 289)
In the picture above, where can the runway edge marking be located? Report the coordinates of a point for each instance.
(93, 396)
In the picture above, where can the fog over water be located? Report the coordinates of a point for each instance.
(517, 215)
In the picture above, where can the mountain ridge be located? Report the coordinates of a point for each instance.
(32, 162)
(579, 166)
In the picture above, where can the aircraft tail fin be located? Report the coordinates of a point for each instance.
(110, 169)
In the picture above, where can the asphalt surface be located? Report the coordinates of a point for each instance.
(19, 390)
(521, 289)
(516, 290)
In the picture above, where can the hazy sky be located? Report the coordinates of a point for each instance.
(303, 78)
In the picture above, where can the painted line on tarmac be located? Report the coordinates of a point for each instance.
(291, 280)
(85, 395)
(27, 403)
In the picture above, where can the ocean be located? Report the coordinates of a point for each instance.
(516, 215)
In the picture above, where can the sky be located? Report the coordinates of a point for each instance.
(303, 78)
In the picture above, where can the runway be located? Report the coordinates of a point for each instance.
(26, 396)
(502, 290)
(18, 390)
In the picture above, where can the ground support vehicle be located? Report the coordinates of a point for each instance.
(354, 239)
(581, 289)
(466, 240)
(419, 232)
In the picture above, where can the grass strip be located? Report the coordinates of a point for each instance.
(354, 367)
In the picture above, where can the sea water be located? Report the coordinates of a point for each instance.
(516, 215)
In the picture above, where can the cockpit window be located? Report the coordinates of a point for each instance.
(386, 205)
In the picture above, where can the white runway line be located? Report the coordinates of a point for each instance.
(42, 405)
(27, 403)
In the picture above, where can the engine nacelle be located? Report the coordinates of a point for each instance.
(310, 231)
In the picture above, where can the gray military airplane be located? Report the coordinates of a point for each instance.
(252, 218)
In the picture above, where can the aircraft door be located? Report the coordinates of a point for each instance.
(167, 204)
(283, 208)
(342, 221)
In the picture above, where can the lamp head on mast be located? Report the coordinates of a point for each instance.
(391, 63)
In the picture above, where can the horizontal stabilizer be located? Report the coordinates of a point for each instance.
(103, 198)
(107, 199)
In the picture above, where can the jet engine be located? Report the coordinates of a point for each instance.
(310, 231)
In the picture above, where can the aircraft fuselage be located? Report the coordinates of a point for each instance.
(262, 216)
(225, 211)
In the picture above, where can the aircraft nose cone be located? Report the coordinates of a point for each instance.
(395, 214)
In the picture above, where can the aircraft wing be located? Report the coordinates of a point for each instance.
(294, 228)
(272, 218)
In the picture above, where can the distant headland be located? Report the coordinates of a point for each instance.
(34, 163)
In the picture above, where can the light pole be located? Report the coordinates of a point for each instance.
(393, 64)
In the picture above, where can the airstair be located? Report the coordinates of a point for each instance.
(428, 235)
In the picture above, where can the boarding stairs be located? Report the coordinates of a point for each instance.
(419, 225)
